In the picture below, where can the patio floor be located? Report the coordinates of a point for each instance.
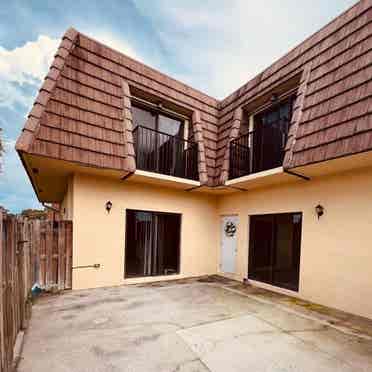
(206, 324)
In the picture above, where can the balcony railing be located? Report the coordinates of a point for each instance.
(162, 153)
(258, 150)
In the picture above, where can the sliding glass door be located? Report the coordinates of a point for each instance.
(152, 243)
(274, 249)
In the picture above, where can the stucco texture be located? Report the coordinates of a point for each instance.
(336, 255)
(99, 237)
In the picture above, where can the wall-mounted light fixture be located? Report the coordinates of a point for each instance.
(319, 209)
(108, 206)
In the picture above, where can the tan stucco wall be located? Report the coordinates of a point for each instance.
(67, 203)
(99, 237)
(336, 250)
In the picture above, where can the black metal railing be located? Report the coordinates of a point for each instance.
(258, 150)
(162, 153)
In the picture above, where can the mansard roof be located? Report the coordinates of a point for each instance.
(82, 111)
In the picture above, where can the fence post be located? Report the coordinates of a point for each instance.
(68, 251)
(61, 255)
(49, 253)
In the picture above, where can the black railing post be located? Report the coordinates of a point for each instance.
(163, 153)
(258, 150)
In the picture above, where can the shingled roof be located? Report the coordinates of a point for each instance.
(82, 113)
(332, 113)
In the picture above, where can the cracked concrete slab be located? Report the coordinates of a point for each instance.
(190, 326)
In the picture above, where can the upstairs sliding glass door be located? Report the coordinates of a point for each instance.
(270, 135)
(160, 143)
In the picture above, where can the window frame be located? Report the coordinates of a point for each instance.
(126, 243)
(252, 242)
(159, 110)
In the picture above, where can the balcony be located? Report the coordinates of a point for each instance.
(259, 150)
(159, 152)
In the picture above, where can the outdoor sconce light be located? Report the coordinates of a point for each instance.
(319, 209)
(108, 206)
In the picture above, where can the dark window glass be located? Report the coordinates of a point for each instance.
(152, 243)
(274, 249)
(152, 119)
(170, 126)
(270, 135)
(144, 118)
(160, 146)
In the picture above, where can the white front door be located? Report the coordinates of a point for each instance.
(229, 230)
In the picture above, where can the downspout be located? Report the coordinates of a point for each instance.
(50, 207)
(306, 178)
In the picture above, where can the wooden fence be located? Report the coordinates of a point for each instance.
(31, 251)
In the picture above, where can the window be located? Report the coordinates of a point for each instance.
(262, 140)
(160, 146)
(153, 119)
(274, 249)
(270, 135)
(152, 243)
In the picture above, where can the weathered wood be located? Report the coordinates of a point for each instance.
(68, 282)
(61, 255)
(31, 251)
(49, 251)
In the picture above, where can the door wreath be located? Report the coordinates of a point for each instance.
(230, 229)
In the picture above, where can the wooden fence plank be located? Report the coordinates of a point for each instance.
(36, 250)
(30, 251)
(49, 253)
(69, 227)
(61, 255)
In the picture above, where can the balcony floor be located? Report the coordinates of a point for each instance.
(162, 180)
(261, 179)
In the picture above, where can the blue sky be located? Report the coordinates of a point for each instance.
(213, 45)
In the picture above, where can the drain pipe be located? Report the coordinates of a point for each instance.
(306, 178)
(94, 266)
(46, 206)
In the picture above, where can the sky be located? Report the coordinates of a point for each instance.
(212, 45)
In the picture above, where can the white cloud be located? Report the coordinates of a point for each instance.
(27, 64)
(15, 188)
(223, 44)
(114, 42)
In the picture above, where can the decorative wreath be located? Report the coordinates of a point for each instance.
(230, 228)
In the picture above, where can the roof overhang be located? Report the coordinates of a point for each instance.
(49, 177)
(337, 165)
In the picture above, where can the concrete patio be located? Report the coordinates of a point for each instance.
(206, 324)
